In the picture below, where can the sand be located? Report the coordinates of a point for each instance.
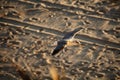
(30, 29)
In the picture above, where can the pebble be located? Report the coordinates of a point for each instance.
(51, 15)
(68, 24)
(14, 42)
(43, 5)
(38, 42)
(66, 18)
(100, 75)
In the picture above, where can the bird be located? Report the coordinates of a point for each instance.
(67, 40)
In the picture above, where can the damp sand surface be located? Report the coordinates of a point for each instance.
(30, 29)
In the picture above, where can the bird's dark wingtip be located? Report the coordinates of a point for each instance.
(54, 52)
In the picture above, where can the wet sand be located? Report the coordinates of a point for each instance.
(30, 29)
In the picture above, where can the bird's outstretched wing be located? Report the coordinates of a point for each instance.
(59, 47)
(72, 34)
(61, 44)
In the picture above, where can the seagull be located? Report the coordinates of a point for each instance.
(67, 40)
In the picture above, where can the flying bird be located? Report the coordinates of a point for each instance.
(67, 40)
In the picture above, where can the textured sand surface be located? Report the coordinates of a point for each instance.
(30, 29)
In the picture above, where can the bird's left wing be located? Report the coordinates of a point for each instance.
(71, 34)
(59, 47)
